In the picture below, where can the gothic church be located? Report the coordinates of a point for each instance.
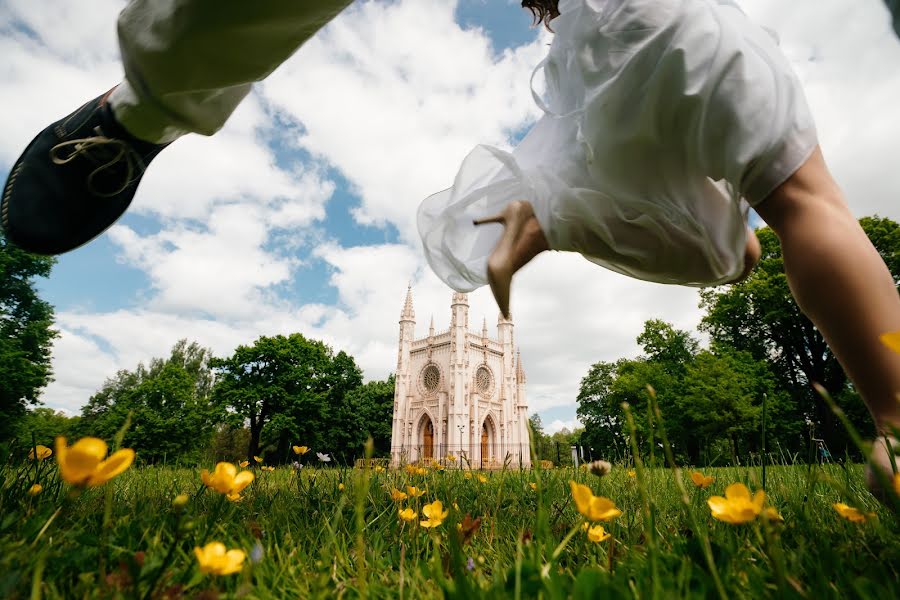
(459, 393)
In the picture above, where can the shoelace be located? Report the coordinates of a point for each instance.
(84, 147)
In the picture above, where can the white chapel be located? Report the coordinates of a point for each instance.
(459, 392)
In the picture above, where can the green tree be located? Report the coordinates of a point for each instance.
(45, 424)
(372, 406)
(26, 337)
(289, 390)
(172, 415)
(759, 316)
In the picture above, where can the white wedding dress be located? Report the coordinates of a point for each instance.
(663, 121)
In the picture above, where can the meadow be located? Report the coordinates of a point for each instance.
(328, 532)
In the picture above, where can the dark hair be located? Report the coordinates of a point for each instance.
(543, 10)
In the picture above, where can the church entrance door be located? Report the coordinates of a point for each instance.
(485, 457)
(428, 441)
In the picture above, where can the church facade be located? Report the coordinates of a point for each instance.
(460, 393)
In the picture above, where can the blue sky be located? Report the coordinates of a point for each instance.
(299, 214)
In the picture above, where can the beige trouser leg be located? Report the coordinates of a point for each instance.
(189, 63)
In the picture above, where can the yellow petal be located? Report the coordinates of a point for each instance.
(112, 466)
(718, 505)
(897, 484)
(234, 560)
(226, 469)
(582, 496)
(759, 499)
(243, 479)
(737, 490)
(78, 462)
(891, 340)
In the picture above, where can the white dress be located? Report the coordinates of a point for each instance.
(662, 120)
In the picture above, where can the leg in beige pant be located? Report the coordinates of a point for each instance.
(189, 63)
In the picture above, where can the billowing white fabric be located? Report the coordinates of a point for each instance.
(661, 116)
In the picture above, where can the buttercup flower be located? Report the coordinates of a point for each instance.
(632, 474)
(594, 508)
(83, 462)
(214, 559)
(413, 491)
(597, 534)
(268, 468)
(891, 340)
(411, 469)
(451, 458)
(35, 489)
(300, 450)
(533, 486)
(771, 514)
(258, 460)
(408, 514)
(379, 469)
(701, 480)
(42, 452)
(482, 478)
(341, 487)
(226, 480)
(851, 514)
(600, 468)
(397, 495)
(468, 475)
(737, 506)
(421, 471)
(244, 464)
(435, 514)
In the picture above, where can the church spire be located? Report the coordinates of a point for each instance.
(431, 327)
(520, 372)
(484, 331)
(408, 313)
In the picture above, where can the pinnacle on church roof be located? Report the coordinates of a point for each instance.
(520, 372)
(460, 298)
(431, 327)
(484, 331)
(408, 312)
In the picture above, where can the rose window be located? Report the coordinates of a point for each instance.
(483, 380)
(431, 378)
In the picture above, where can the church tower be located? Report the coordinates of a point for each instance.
(459, 392)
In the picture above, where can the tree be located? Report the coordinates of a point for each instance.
(289, 390)
(169, 401)
(372, 405)
(45, 425)
(759, 316)
(26, 336)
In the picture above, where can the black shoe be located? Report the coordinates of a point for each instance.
(73, 181)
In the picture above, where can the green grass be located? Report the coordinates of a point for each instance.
(314, 540)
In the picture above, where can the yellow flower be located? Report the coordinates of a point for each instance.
(891, 340)
(482, 478)
(42, 452)
(35, 489)
(379, 469)
(244, 464)
(433, 512)
(411, 469)
(269, 468)
(632, 474)
(226, 480)
(408, 514)
(258, 460)
(701, 480)
(737, 506)
(341, 487)
(851, 514)
(455, 506)
(771, 514)
(533, 486)
(83, 462)
(397, 495)
(421, 471)
(300, 450)
(180, 500)
(413, 491)
(597, 534)
(451, 458)
(594, 508)
(214, 559)
(468, 475)
(438, 467)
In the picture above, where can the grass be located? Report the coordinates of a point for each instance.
(306, 538)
